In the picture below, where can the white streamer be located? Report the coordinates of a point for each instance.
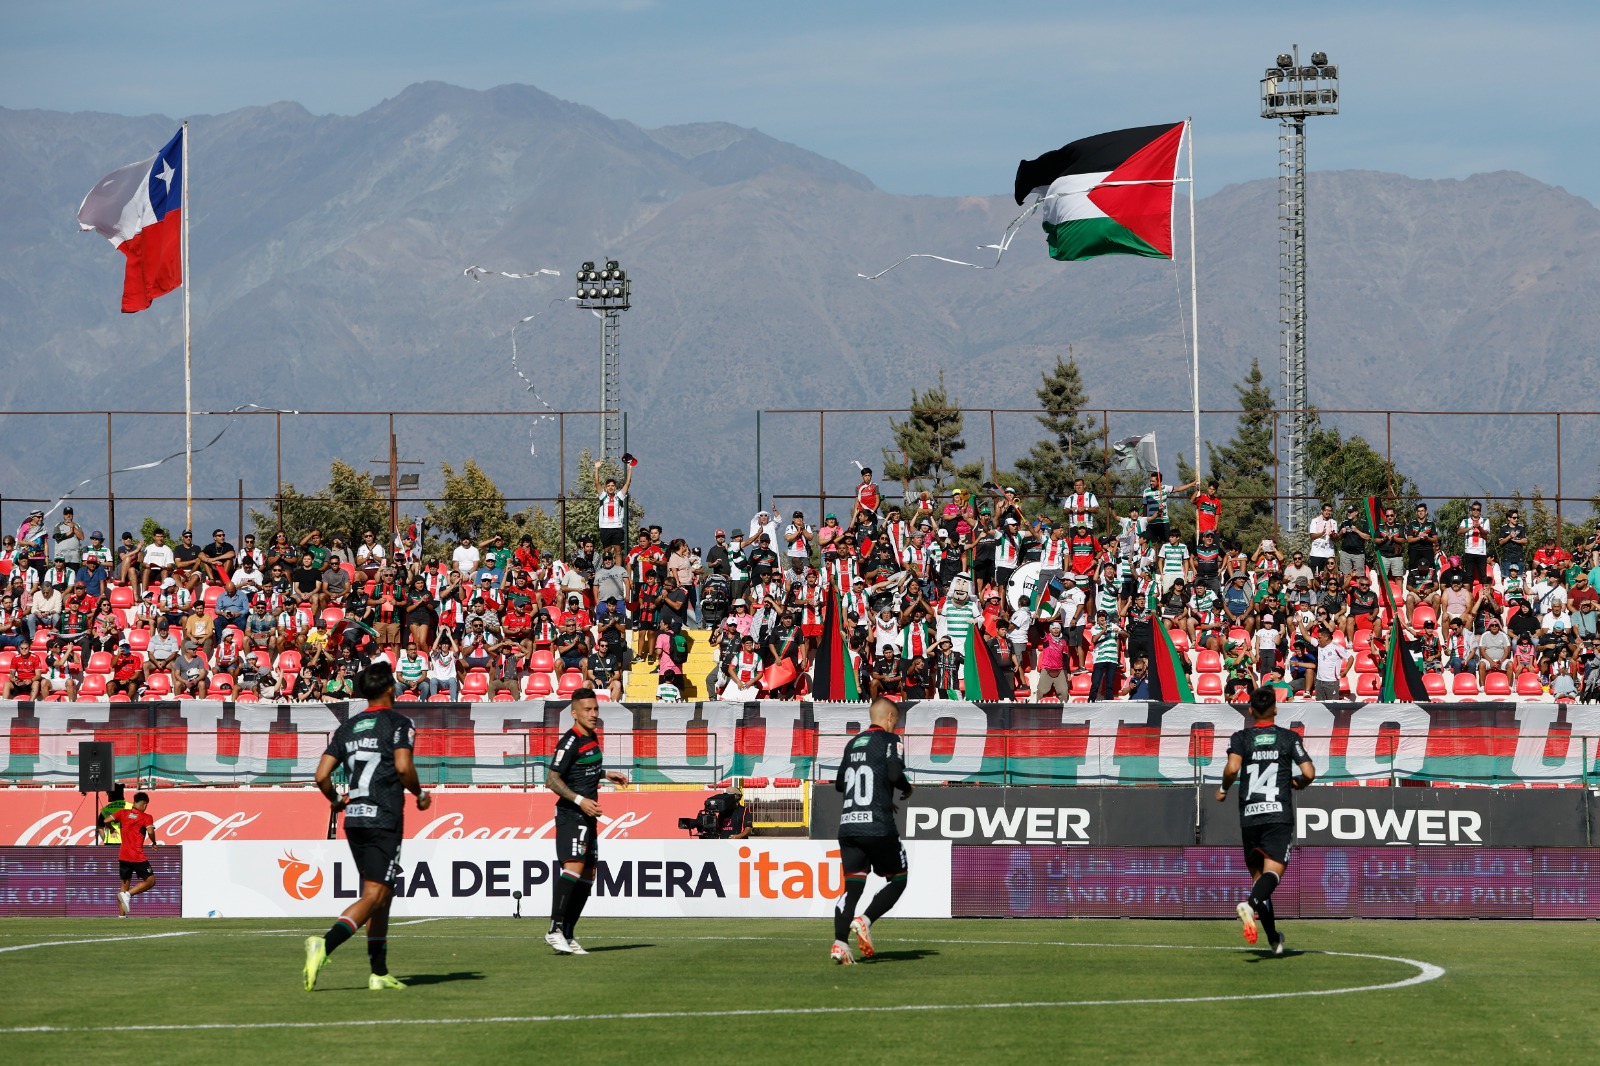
(1000, 248)
(65, 496)
(478, 273)
(533, 447)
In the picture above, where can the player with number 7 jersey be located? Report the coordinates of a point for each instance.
(871, 770)
(1273, 762)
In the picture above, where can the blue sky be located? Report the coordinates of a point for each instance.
(929, 97)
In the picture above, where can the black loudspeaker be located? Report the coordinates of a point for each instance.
(96, 767)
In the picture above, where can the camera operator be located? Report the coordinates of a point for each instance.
(723, 817)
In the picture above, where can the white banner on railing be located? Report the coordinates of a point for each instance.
(756, 878)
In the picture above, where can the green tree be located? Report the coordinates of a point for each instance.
(473, 506)
(927, 443)
(349, 505)
(1072, 447)
(1351, 469)
(1243, 467)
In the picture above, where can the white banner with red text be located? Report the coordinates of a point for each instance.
(316, 879)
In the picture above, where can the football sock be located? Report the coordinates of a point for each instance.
(342, 930)
(378, 954)
(575, 901)
(887, 897)
(560, 893)
(854, 886)
(1261, 900)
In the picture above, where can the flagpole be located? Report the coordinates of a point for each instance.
(1194, 307)
(188, 384)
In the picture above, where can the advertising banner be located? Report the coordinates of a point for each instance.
(315, 879)
(1464, 817)
(53, 816)
(1038, 815)
(1156, 817)
(701, 743)
(83, 883)
(1330, 882)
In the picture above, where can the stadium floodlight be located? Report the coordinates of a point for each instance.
(1292, 93)
(607, 292)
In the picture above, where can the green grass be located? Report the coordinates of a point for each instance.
(1511, 992)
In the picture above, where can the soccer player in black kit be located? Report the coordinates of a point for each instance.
(873, 768)
(574, 775)
(374, 747)
(1268, 755)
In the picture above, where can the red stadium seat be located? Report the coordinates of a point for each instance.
(213, 593)
(1206, 661)
(1528, 685)
(1180, 640)
(537, 687)
(332, 616)
(1364, 663)
(506, 697)
(158, 685)
(139, 639)
(93, 687)
(122, 597)
(100, 662)
(475, 686)
(1208, 685)
(289, 661)
(439, 697)
(1422, 613)
(221, 687)
(571, 681)
(1496, 683)
(1464, 684)
(1080, 684)
(247, 696)
(1363, 642)
(7, 657)
(42, 639)
(1433, 682)
(1369, 685)
(542, 661)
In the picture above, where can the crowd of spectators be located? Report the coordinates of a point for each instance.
(297, 617)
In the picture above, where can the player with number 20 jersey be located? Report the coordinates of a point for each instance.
(872, 770)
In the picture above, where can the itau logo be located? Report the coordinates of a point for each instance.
(301, 880)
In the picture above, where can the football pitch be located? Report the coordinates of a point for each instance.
(667, 991)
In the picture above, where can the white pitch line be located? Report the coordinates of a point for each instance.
(96, 940)
(419, 921)
(1426, 971)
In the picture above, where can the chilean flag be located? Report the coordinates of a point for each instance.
(139, 209)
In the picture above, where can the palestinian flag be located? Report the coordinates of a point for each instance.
(982, 675)
(1168, 682)
(834, 674)
(1402, 681)
(1044, 594)
(1110, 194)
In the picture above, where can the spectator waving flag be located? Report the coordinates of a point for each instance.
(983, 677)
(139, 209)
(1168, 682)
(1110, 194)
(834, 676)
(1402, 681)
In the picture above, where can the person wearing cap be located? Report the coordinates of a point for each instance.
(188, 672)
(1265, 642)
(92, 576)
(69, 539)
(31, 536)
(797, 538)
(186, 562)
(828, 536)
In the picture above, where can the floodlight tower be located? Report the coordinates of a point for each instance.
(1292, 93)
(607, 292)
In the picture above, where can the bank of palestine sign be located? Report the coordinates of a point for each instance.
(700, 743)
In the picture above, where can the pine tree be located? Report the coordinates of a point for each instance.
(473, 506)
(926, 444)
(1243, 468)
(1072, 448)
(1350, 470)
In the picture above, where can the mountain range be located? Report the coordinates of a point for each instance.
(327, 274)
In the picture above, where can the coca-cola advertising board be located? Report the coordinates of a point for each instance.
(52, 817)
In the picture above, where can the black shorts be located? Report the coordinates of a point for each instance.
(884, 856)
(610, 538)
(134, 871)
(1275, 840)
(576, 835)
(376, 853)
